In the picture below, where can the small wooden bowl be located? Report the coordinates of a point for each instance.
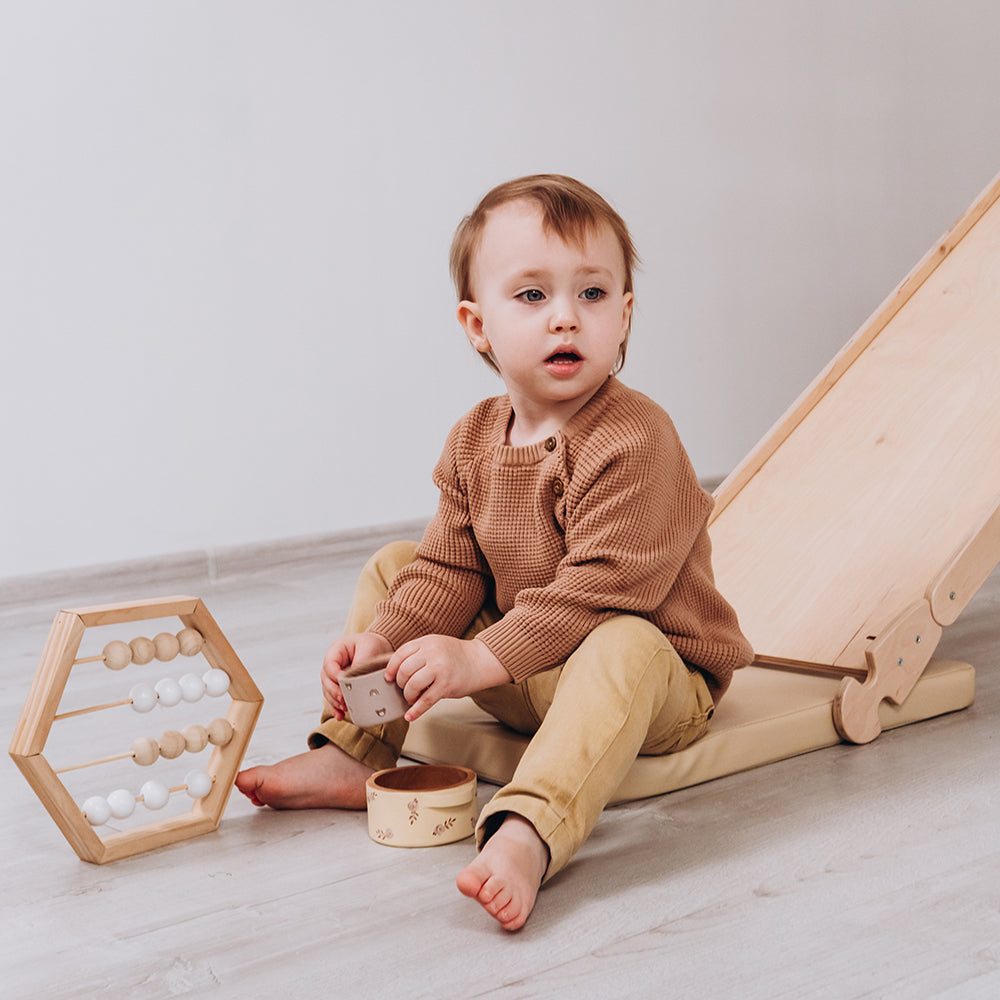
(371, 699)
(421, 806)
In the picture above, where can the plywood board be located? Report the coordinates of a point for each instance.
(848, 512)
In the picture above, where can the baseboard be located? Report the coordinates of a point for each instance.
(162, 573)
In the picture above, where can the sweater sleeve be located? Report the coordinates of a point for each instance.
(633, 517)
(443, 589)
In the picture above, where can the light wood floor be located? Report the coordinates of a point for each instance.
(851, 872)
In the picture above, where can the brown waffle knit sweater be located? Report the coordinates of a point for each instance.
(603, 518)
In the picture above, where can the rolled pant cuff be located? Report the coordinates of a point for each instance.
(548, 825)
(361, 744)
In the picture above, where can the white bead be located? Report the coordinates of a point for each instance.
(122, 803)
(154, 794)
(96, 810)
(192, 687)
(143, 697)
(168, 692)
(199, 784)
(216, 682)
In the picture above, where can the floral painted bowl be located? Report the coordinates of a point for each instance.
(421, 806)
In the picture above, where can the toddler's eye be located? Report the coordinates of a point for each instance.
(593, 294)
(531, 295)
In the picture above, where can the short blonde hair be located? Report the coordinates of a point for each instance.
(569, 208)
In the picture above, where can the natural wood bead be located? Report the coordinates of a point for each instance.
(145, 751)
(190, 641)
(220, 732)
(172, 744)
(117, 655)
(195, 738)
(143, 650)
(167, 646)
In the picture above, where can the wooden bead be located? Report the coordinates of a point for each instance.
(216, 682)
(172, 744)
(145, 751)
(143, 697)
(117, 655)
(190, 641)
(168, 692)
(154, 794)
(192, 687)
(195, 738)
(198, 784)
(121, 802)
(220, 732)
(167, 646)
(96, 810)
(143, 650)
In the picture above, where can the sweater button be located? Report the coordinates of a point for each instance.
(557, 487)
(550, 444)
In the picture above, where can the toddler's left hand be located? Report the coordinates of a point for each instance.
(440, 666)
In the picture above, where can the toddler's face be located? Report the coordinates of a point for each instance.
(554, 314)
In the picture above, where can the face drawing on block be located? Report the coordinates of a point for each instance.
(371, 699)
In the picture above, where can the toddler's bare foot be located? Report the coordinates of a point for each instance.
(318, 779)
(506, 875)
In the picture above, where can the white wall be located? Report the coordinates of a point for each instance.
(224, 304)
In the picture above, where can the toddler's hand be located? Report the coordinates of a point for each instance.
(439, 666)
(341, 654)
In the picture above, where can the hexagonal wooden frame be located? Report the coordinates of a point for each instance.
(40, 711)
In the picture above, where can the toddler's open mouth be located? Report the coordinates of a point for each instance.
(563, 358)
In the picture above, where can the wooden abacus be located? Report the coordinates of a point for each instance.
(209, 787)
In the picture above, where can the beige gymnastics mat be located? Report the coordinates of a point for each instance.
(766, 716)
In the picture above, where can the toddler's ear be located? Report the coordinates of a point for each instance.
(471, 318)
(628, 303)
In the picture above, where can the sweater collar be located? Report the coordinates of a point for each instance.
(528, 454)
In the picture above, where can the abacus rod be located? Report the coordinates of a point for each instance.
(93, 708)
(92, 763)
(89, 659)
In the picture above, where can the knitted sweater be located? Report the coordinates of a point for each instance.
(602, 518)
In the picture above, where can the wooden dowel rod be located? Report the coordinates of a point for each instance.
(93, 708)
(92, 763)
(805, 667)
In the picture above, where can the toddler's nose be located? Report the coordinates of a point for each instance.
(563, 319)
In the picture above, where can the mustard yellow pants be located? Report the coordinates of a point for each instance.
(623, 692)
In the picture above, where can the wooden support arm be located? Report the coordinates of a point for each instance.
(896, 659)
(967, 571)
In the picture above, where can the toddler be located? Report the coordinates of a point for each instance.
(565, 582)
